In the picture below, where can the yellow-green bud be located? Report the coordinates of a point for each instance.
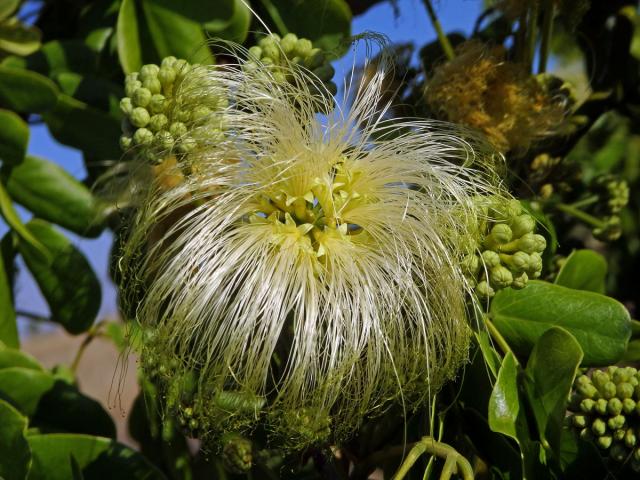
(519, 261)
(604, 442)
(152, 84)
(619, 434)
(579, 421)
(628, 405)
(131, 87)
(158, 122)
(164, 140)
(288, 43)
(471, 264)
(588, 391)
(501, 233)
(520, 281)
(168, 62)
(483, 289)
(614, 406)
(186, 144)
(490, 259)
(585, 434)
(608, 390)
(200, 112)
(255, 52)
(126, 106)
(148, 71)
(600, 406)
(500, 276)
(157, 103)
(125, 142)
(141, 97)
(177, 129)
(587, 405)
(599, 379)
(616, 422)
(630, 438)
(624, 390)
(142, 137)
(303, 48)
(522, 224)
(139, 117)
(621, 375)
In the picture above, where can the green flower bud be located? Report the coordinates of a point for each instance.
(587, 405)
(624, 390)
(163, 140)
(186, 144)
(126, 107)
(168, 62)
(599, 379)
(484, 290)
(600, 406)
(501, 233)
(505, 211)
(237, 454)
(585, 434)
(522, 224)
(519, 261)
(303, 48)
(139, 117)
(182, 115)
(141, 97)
(314, 59)
(132, 78)
(142, 137)
(535, 265)
(608, 390)
(325, 72)
(131, 87)
(582, 380)
(255, 52)
(520, 281)
(158, 122)
(579, 421)
(288, 43)
(628, 405)
(618, 435)
(125, 142)
(490, 259)
(620, 375)
(541, 243)
(200, 112)
(271, 51)
(587, 391)
(148, 71)
(157, 103)
(471, 264)
(614, 406)
(181, 67)
(616, 422)
(604, 442)
(177, 129)
(166, 76)
(630, 438)
(500, 276)
(153, 85)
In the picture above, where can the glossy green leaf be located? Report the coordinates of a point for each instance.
(93, 90)
(23, 387)
(549, 375)
(173, 31)
(584, 270)
(8, 325)
(326, 22)
(26, 91)
(600, 324)
(18, 39)
(504, 404)
(67, 282)
(65, 408)
(52, 194)
(79, 125)
(9, 214)
(15, 455)
(95, 457)
(12, 357)
(7, 7)
(14, 137)
(232, 21)
(58, 56)
(128, 39)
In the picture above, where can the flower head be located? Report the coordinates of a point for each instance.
(305, 269)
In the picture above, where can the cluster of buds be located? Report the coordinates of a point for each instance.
(237, 453)
(510, 253)
(156, 124)
(613, 194)
(605, 408)
(279, 53)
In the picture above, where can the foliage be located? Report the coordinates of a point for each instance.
(550, 389)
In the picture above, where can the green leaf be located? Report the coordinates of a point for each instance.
(128, 39)
(13, 220)
(584, 270)
(67, 282)
(550, 372)
(26, 91)
(232, 22)
(15, 455)
(58, 56)
(174, 31)
(23, 387)
(95, 457)
(52, 194)
(18, 39)
(504, 403)
(65, 408)
(78, 125)
(14, 137)
(7, 7)
(325, 22)
(8, 326)
(12, 357)
(600, 324)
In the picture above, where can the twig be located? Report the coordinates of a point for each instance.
(442, 38)
(454, 462)
(579, 214)
(275, 16)
(497, 336)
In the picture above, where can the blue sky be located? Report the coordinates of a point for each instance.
(412, 26)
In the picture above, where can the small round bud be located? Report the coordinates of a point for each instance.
(182, 115)
(288, 43)
(599, 379)
(200, 112)
(490, 259)
(587, 405)
(131, 88)
(616, 422)
(148, 71)
(484, 290)
(177, 129)
(157, 103)
(587, 391)
(500, 276)
(158, 122)
(303, 47)
(142, 137)
(600, 406)
(126, 106)
(618, 435)
(168, 62)
(608, 390)
(180, 67)
(614, 406)
(152, 84)
(141, 97)
(132, 78)
(186, 144)
(125, 142)
(163, 140)
(166, 76)
(520, 281)
(255, 52)
(519, 261)
(501, 233)
(582, 380)
(630, 438)
(471, 264)
(527, 243)
(139, 117)
(535, 265)
(624, 390)
(604, 442)
(628, 405)
(237, 454)
(579, 421)
(541, 243)
(522, 224)
(620, 375)
(271, 51)
(505, 211)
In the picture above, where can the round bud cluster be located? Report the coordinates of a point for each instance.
(237, 453)
(155, 123)
(605, 408)
(279, 53)
(613, 194)
(510, 253)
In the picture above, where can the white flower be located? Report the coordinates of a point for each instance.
(311, 260)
